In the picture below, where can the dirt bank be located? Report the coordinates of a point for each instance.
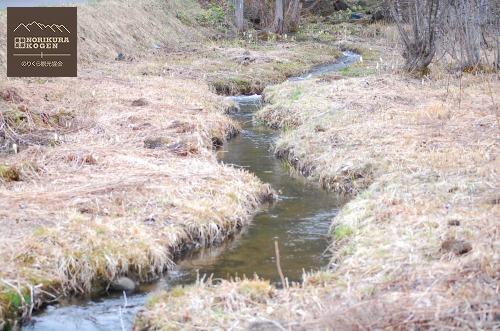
(418, 244)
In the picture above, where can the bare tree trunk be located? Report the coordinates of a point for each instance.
(497, 64)
(417, 22)
(238, 8)
(293, 15)
(279, 23)
(464, 27)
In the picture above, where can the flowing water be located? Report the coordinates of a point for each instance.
(299, 220)
(348, 58)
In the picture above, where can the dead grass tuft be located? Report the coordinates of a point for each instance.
(9, 173)
(22, 125)
(222, 301)
(431, 113)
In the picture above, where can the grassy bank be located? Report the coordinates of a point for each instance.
(114, 176)
(244, 66)
(417, 246)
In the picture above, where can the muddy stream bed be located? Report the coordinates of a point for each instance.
(300, 219)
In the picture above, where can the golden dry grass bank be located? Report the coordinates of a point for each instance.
(417, 247)
(107, 185)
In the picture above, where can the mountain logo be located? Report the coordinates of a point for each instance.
(41, 26)
(42, 42)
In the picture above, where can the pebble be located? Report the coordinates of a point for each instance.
(123, 284)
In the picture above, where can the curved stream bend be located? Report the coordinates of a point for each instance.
(300, 219)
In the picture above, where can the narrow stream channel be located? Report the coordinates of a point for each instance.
(300, 219)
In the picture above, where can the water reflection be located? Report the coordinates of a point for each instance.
(300, 219)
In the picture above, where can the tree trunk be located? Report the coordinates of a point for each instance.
(293, 15)
(279, 23)
(417, 22)
(497, 65)
(239, 15)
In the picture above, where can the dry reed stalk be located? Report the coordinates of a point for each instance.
(278, 263)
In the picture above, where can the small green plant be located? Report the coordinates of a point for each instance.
(100, 230)
(40, 232)
(296, 94)
(357, 71)
(183, 18)
(342, 232)
(177, 291)
(213, 15)
(14, 299)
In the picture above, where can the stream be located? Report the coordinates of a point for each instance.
(300, 219)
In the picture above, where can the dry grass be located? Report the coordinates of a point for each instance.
(221, 305)
(102, 202)
(242, 66)
(101, 188)
(417, 247)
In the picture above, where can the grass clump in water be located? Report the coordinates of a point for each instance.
(234, 86)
